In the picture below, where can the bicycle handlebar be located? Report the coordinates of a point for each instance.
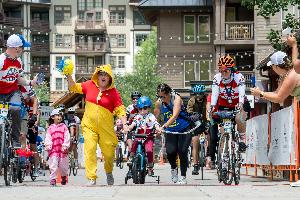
(140, 135)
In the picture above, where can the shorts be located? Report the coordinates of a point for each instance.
(129, 136)
(32, 135)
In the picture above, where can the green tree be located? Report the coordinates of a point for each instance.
(43, 94)
(267, 8)
(144, 77)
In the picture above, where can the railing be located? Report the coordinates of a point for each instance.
(85, 69)
(40, 68)
(239, 30)
(12, 21)
(248, 75)
(90, 25)
(40, 47)
(40, 25)
(91, 47)
(34, 1)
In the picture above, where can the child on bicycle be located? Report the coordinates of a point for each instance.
(57, 143)
(145, 122)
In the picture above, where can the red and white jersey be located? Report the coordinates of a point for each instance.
(131, 111)
(228, 94)
(10, 70)
(145, 124)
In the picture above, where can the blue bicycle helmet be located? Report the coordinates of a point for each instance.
(199, 89)
(144, 101)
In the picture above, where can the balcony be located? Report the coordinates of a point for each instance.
(85, 70)
(40, 25)
(40, 68)
(40, 48)
(239, 30)
(91, 47)
(12, 21)
(89, 25)
(33, 1)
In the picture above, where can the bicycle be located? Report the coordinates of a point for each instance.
(119, 154)
(229, 156)
(73, 163)
(7, 159)
(202, 141)
(139, 165)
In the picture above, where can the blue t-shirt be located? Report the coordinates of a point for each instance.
(179, 124)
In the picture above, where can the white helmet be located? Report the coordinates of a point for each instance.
(71, 109)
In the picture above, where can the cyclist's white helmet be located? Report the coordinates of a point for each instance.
(71, 109)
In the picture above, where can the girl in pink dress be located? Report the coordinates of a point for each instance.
(57, 143)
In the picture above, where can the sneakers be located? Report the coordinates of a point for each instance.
(110, 179)
(53, 182)
(150, 171)
(35, 173)
(91, 182)
(174, 175)
(63, 180)
(295, 184)
(182, 181)
(195, 170)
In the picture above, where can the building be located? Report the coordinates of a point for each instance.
(89, 32)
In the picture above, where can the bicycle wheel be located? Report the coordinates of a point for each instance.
(75, 170)
(224, 160)
(236, 167)
(8, 168)
(135, 168)
(2, 144)
(202, 158)
(71, 163)
(120, 158)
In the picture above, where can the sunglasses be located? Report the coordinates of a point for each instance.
(102, 74)
(160, 97)
(144, 108)
(135, 99)
(224, 71)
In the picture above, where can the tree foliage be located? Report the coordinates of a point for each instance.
(43, 92)
(144, 77)
(268, 8)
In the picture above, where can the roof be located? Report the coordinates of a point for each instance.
(175, 3)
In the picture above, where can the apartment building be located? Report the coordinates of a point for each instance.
(89, 32)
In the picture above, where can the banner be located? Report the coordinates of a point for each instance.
(257, 140)
(282, 137)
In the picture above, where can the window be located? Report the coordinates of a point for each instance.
(81, 5)
(138, 18)
(62, 15)
(63, 41)
(204, 71)
(117, 15)
(58, 59)
(81, 15)
(121, 61)
(230, 14)
(140, 38)
(189, 29)
(40, 38)
(58, 84)
(203, 28)
(65, 84)
(98, 60)
(89, 4)
(81, 60)
(189, 72)
(113, 61)
(118, 40)
(98, 3)
(98, 16)
(40, 61)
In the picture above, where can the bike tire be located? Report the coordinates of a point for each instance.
(2, 144)
(20, 175)
(75, 171)
(202, 159)
(117, 158)
(229, 178)
(237, 170)
(7, 169)
(135, 168)
(120, 158)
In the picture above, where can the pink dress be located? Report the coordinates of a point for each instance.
(57, 143)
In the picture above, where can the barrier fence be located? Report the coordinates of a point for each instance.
(273, 142)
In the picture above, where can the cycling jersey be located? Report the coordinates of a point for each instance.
(228, 93)
(145, 124)
(131, 112)
(10, 71)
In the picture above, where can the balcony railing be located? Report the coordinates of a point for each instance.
(91, 47)
(34, 1)
(90, 25)
(248, 75)
(85, 70)
(12, 21)
(40, 47)
(42, 25)
(239, 30)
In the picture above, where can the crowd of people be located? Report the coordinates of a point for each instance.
(106, 120)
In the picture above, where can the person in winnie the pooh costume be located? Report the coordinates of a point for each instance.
(103, 101)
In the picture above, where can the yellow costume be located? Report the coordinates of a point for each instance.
(98, 122)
